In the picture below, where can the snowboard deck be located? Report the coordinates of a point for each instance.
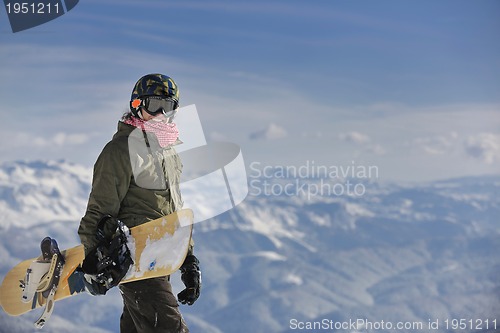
(157, 247)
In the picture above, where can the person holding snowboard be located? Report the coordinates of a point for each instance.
(139, 185)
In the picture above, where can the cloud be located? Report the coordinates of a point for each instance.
(484, 147)
(376, 149)
(61, 139)
(355, 137)
(363, 141)
(271, 132)
(437, 145)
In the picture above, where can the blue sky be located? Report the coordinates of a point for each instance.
(410, 86)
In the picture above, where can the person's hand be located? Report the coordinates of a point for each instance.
(191, 277)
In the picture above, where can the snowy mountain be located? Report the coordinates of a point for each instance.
(407, 254)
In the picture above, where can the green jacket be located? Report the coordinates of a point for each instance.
(134, 180)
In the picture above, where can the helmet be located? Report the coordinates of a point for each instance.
(153, 85)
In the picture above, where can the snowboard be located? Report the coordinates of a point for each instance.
(157, 247)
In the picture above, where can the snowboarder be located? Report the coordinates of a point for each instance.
(138, 186)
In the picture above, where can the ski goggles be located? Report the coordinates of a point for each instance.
(156, 105)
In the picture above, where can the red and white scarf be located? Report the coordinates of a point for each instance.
(166, 133)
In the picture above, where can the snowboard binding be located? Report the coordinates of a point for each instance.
(42, 278)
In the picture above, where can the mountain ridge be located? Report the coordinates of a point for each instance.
(400, 253)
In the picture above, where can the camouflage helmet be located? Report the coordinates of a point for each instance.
(155, 85)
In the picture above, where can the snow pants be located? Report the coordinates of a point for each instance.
(150, 306)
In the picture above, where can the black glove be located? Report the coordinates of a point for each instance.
(191, 277)
(93, 285)
(108, 262)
